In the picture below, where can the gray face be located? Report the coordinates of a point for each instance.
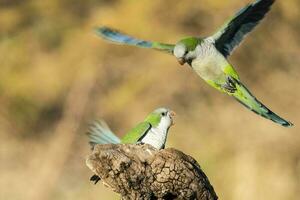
(180, 52)
(167, 116)
(161, 110)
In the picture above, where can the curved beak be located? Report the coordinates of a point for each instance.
(172, 115)
(181, 61)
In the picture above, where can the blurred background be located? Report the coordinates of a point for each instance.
(57, 76)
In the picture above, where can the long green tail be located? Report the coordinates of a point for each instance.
(243, 95)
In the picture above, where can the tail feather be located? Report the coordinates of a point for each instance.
(100, 133)
(244, 96)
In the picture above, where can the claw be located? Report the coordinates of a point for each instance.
(229, 86)
(95, 178)
(140, 143)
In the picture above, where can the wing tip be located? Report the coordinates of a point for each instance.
(287, 124)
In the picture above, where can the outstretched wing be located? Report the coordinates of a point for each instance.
(233, 32)
(137, 133)
(120, 38)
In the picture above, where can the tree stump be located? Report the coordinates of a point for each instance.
(142, 172)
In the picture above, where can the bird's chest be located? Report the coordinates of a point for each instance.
(208, 63)
(156, 138)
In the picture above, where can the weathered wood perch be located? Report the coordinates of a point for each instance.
(142, 172)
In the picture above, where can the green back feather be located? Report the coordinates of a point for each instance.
(153, 118)
(136, 133)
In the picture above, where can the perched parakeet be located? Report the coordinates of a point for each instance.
(207, 56)
(153, 130)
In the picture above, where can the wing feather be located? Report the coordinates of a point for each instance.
(137, 133)
(233, 32)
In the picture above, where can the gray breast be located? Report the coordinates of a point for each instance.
(209, 62)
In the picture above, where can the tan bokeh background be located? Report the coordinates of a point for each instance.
(57, 76)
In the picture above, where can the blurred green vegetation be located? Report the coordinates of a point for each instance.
(57, 76)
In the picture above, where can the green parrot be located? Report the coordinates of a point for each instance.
(153, 130)
(207, 56)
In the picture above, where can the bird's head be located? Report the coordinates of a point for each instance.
(185, 48)
(162, 118)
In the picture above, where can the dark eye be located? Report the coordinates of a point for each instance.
(163, 114)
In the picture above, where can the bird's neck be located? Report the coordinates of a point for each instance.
(202, 50)
(156, 137)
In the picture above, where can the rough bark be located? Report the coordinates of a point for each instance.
(142, 172)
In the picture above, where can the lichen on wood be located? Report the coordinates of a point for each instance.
(142, 172)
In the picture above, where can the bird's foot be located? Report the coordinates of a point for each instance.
(229, 86)
(95, 178)
(140, 143)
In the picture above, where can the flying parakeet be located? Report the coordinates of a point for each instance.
(153, 130)
(207, 56)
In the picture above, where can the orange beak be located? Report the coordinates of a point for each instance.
(181, 61)
(172, 114)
